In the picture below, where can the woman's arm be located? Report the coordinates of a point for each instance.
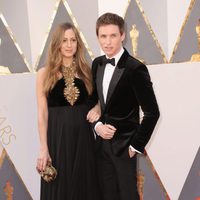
(44, 156)
(94, 113)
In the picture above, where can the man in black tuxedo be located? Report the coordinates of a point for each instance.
(122, 84)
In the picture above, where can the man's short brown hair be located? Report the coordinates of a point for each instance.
(110, 18)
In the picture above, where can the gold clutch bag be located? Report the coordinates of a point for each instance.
(49, 174)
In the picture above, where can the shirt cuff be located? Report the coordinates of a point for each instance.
(97, 124)
(133, 149)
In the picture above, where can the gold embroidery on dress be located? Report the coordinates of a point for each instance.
(71, 92)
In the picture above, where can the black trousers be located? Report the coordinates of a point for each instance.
(117, 175)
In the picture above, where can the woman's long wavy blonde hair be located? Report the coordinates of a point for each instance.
(55, 59)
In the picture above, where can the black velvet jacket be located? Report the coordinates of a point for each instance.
(130, 87)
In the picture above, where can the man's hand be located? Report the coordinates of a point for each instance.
(106, 131)
(131, 153)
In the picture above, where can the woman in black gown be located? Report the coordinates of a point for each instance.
(66, 138)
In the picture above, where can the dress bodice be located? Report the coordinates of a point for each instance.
(56, 95)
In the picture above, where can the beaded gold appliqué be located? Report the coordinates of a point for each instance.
(71, 92)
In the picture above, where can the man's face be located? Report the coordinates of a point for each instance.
(110, 39)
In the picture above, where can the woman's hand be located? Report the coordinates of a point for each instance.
(94, 114)
(43, 159)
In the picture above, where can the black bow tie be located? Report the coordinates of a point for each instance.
(111, 61)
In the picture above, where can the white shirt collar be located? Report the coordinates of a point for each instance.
(117, 56)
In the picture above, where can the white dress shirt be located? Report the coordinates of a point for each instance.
(108, 73)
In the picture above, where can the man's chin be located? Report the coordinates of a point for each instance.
(109, 54)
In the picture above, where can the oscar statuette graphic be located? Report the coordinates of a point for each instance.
(140, 180)
(3, 70)
(134, 35)
(196, 57)
(8, 189)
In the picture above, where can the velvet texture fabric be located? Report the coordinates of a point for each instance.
(70, 142)
(130, 87)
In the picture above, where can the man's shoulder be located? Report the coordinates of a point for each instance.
(132, 60)
(134, 64)
(97, 60)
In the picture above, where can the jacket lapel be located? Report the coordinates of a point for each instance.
(99, 83)
(114, 80)
(118, 72)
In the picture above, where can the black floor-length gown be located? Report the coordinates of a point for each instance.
(71, 147)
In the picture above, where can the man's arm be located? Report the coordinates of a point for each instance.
(142, 87)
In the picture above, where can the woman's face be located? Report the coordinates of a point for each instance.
(69, 44)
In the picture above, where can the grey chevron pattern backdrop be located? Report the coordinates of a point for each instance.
(25, 30)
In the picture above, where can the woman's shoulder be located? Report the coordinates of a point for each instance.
(41, 73)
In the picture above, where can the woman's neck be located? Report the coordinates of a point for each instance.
(67, 61)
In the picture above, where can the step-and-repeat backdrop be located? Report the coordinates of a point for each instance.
(163, 34)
